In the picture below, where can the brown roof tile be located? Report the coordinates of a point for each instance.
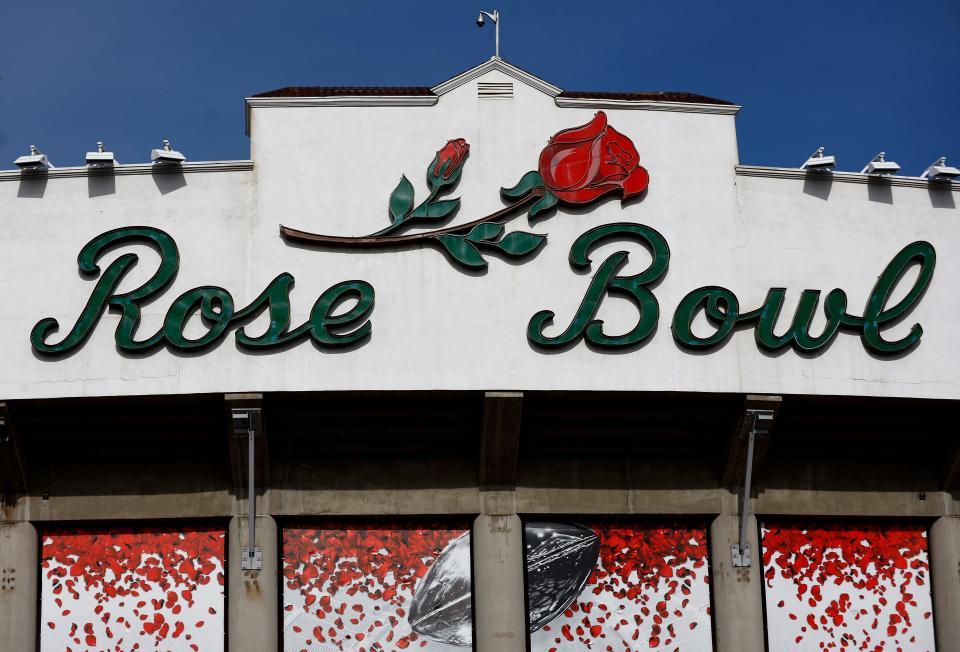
(341, 91)
(395, 91)
(662, 96)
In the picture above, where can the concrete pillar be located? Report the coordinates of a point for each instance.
(254, 601)
(737, 592)
(500, 619)
(945, 569)
(18, 587)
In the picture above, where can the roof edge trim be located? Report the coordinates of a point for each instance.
(335, 100)
(647, 105)
(342, 100)
(129, 169)
(842, 177)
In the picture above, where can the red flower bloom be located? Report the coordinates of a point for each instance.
(450, 158)
(583, 163)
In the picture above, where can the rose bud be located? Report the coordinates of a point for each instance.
(583, 163)
(446, 165)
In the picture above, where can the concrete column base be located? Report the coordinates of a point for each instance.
(737, 592)
(254, 601)
(945, 570)
(18, 587)
(500, 619)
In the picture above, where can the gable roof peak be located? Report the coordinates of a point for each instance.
(498, 64)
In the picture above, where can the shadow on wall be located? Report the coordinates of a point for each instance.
(169, 181)
(32, 186)
(818, 185)
(99, 185)
(941, 197)
(879, 190)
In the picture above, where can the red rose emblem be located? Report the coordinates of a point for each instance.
(583, 163)
(449, 159)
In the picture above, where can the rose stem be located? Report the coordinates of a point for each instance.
(505, 213)
(403, 221)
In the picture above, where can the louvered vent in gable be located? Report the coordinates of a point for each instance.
(495, 90)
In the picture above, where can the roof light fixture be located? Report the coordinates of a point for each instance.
(940, 171)
(167, 155)
(100, 158)
(880, 167)
(819, 163)
(495, 17)
(35, 161)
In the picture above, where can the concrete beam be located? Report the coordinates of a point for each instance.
(254, 596)
(238, 443)
(623, 485)
(128, 504)
(734, 469)
(371, 502)
(13, 472)
(737, 592)
(500, 438)
(18, 587)
(813, 502)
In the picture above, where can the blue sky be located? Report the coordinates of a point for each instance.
(855, 76)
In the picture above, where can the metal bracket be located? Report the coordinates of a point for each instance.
(246, 422)
(252, 558)
(756, 423)
(740, 557)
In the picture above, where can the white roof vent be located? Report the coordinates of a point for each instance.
(495, 90)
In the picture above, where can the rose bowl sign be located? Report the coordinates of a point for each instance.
(577, 167)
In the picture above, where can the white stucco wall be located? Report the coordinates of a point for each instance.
(331, 170)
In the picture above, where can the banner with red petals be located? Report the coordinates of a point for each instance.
(847, 587)
(647, 588)
(377, 587)
(124, 589)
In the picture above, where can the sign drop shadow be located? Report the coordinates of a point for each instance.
(32, 185)
(879, 190)
(167, 182)
(941, 196)
(99, 185)
(818, 184)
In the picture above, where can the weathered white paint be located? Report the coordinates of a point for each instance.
(331, 169)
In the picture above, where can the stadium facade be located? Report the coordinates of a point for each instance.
(521, 368)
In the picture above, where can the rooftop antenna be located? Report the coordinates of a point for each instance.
(495, 17)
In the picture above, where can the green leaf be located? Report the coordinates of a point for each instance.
(543, 204)
(520, 243)
(529, 181)
(436, 210)
(401, 200)
(485, 232)
(463, 252)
